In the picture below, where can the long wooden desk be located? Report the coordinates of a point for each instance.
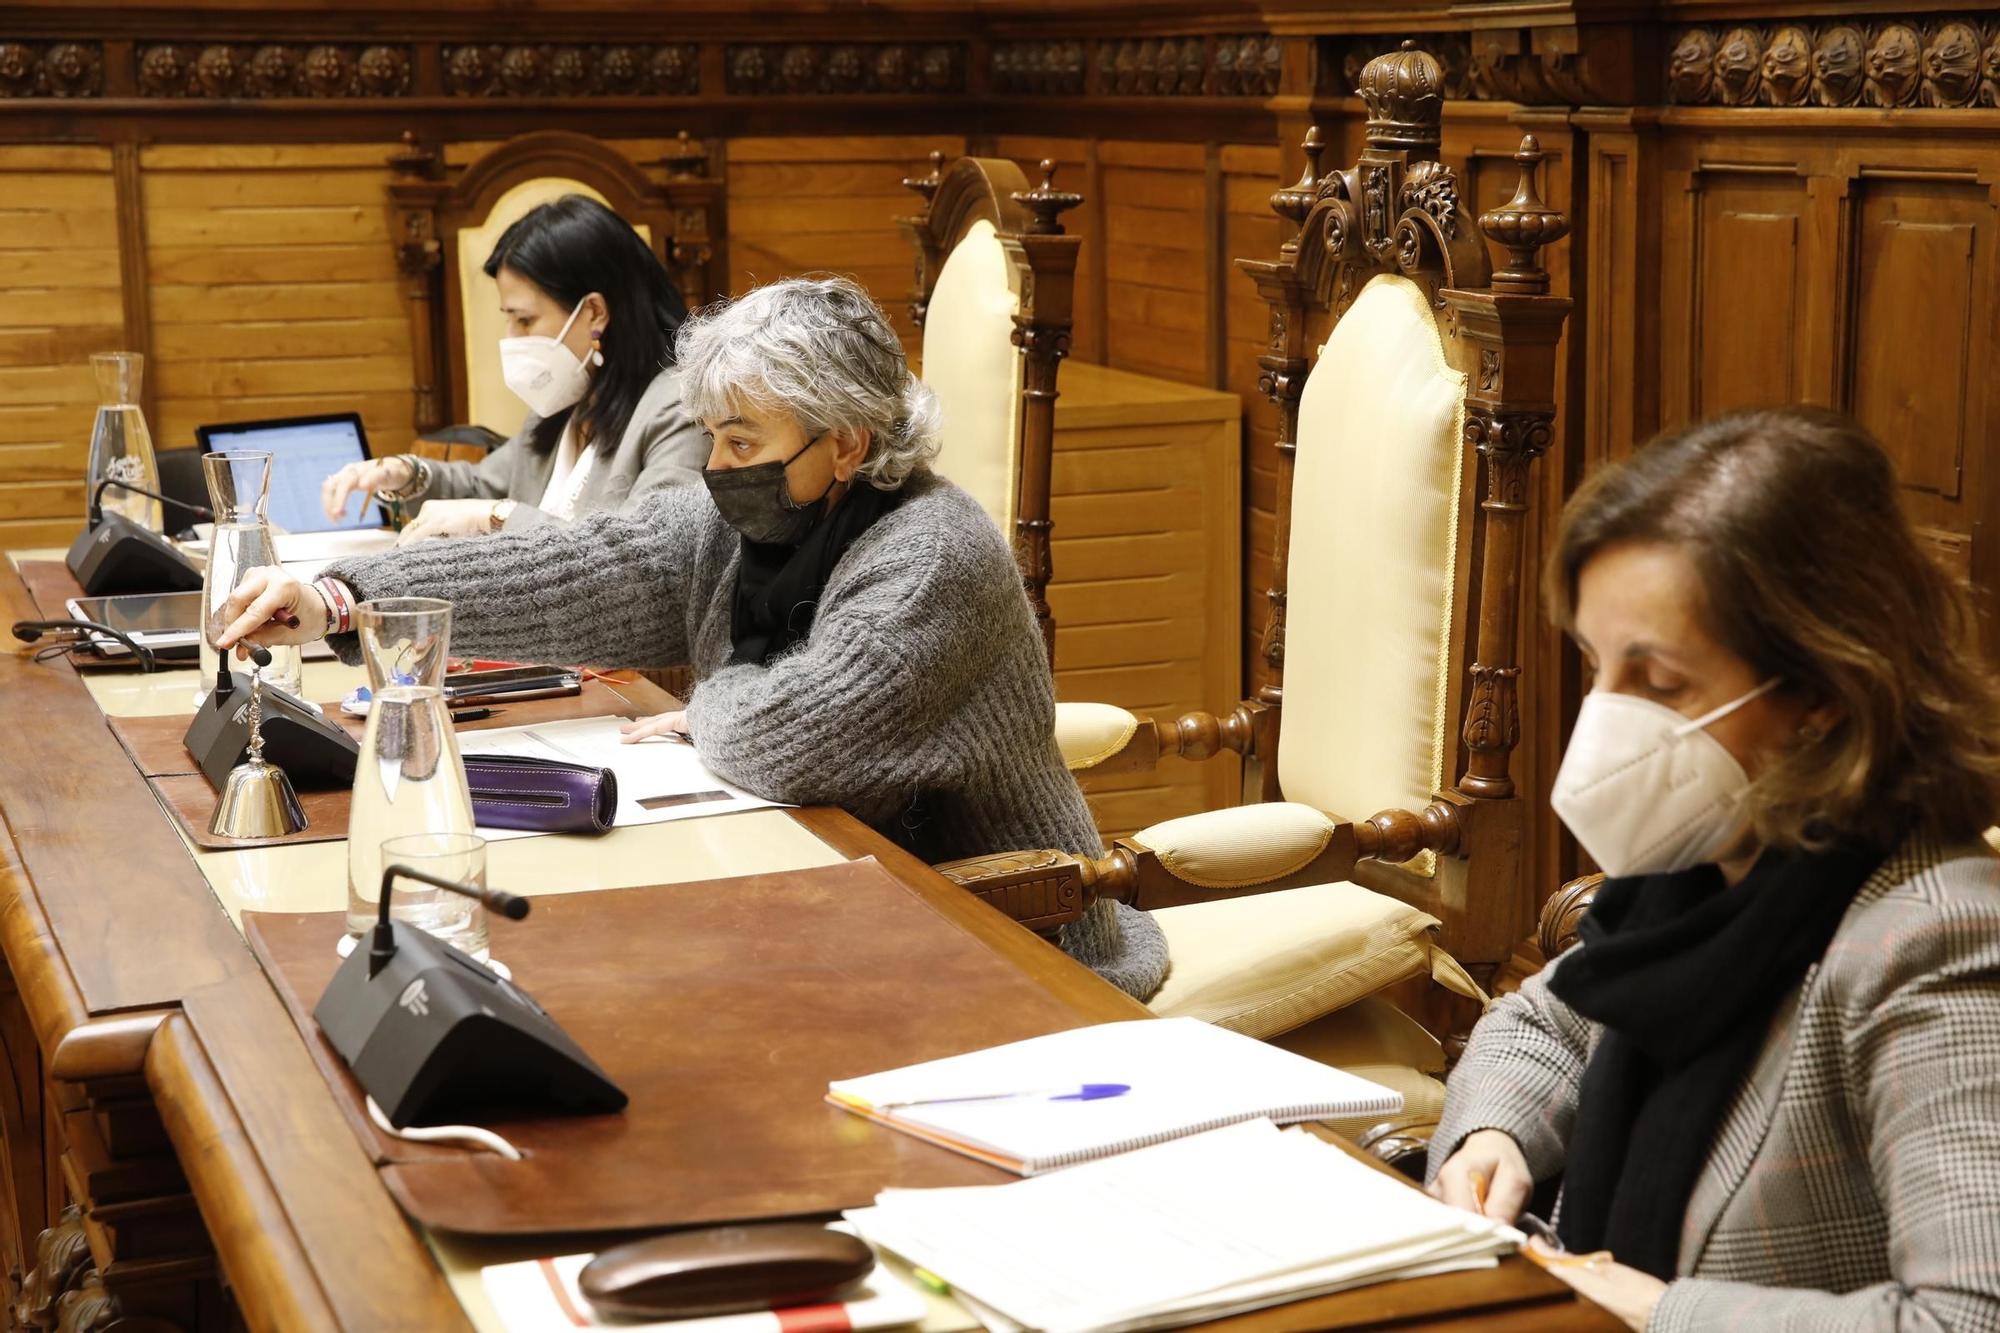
(166, 1136)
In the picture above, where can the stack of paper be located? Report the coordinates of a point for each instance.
(1180, 1076)
(658, 780)
(1235, 1219)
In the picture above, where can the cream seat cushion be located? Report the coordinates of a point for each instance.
(1270, 962)
(1088, 734)
(1373, 561)
(1375, 1040)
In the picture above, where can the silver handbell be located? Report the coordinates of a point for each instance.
(257, 800)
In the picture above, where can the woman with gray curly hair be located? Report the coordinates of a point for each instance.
(856, 624)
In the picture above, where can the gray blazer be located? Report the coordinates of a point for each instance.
(662, 446)
(1854, 1182)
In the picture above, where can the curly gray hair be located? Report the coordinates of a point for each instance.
(822, 350)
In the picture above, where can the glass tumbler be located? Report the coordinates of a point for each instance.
(458, 921)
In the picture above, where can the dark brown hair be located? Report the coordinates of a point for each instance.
(1811, 572)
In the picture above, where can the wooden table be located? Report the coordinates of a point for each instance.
(162, 1127)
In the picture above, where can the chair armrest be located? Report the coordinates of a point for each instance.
(1240, 849)
(1563, 910)
(1043, 890)
(1103, 738)
(1403, 1145)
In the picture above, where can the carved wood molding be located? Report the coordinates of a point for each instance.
(1233, 65)
(1896, 61)
(51, 69)
(488, 69)
(804, 68)
(223, 69)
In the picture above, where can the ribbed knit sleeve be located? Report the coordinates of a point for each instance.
(608, 590)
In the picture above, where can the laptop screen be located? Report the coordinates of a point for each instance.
(305, 451)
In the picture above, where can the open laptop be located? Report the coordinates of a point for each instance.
(305, 451)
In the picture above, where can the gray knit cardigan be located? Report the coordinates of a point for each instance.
(920, 701)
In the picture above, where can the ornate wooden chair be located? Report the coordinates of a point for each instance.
(994, 298)
(447, 221)
(1382, 808)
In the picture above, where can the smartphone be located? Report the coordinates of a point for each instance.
(521, 682)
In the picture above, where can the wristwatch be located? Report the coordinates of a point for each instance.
(502, 509)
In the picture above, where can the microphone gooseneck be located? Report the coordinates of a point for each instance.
(382, 944)
(201, 513)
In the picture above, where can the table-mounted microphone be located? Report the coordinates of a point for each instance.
(316, 755)
(113, 554)
(433, 1035)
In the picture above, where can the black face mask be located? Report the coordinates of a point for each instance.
(757, 500)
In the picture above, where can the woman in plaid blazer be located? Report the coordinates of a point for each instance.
(1768, 1075)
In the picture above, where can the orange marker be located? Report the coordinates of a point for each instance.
(1479, 1193)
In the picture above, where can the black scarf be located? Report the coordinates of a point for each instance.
(778, 586)
(1685, 974)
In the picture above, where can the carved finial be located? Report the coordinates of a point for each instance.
(1523, 225)
(413, 158)
(686, 158)
(1405, 94)
(927, 186)
(1293, 204)
(1314, 146)
(1046, 202)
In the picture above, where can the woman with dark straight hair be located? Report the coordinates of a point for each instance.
(1767, 1077)
(591, 317)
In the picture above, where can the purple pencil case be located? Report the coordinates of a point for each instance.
(541, 795)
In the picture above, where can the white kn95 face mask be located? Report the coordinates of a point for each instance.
(1647, 791)
(543, 372)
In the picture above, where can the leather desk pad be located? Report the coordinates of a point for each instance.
(154, 743)
(52, 585)
(723, 1008)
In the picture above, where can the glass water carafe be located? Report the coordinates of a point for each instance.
(121, 448)
(409, 778)
(239, 485)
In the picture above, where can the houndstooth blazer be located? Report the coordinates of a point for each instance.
(1855, 1178)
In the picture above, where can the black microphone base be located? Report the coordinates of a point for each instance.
(435, 1036)
(316, 753)
(120, 556)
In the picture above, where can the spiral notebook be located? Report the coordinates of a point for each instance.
(1014, 1105)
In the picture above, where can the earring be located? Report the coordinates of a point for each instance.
(596, 351)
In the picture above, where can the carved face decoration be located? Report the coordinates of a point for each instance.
(1836, 62)
(1989, 91)
(1951, 66)
(1691, 69)
(1739, 63)
(1788, 67)
(1893, 66)
(17, 69)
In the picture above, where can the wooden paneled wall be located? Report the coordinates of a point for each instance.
(61, 300)
(273, 288)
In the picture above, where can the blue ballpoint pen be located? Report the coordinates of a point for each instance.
(1087, 1092)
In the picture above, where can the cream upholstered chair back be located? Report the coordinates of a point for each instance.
(995, 281)
(447, 220)
(971, 363)
(1377, 562)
